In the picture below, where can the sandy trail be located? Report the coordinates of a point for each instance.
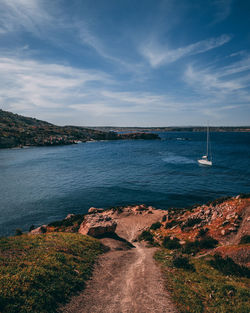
(124, 281)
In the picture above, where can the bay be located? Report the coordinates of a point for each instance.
(42, 184)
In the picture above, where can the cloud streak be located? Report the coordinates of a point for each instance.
(157, 54)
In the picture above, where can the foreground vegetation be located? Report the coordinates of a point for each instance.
(39, 271)
(198, 284)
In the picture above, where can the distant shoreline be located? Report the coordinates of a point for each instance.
(244, 129)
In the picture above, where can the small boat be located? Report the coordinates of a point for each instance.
(206, 160)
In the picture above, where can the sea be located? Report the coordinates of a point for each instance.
(39, 185)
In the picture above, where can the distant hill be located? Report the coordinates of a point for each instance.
(18, 131)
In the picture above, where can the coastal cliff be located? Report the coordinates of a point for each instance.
(19, 131)
(203, 253)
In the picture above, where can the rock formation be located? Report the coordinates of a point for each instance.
(97, 225)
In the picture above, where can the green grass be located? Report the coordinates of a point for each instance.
(40, 271)
(205, 289)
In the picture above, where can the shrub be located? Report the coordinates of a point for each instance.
(164, 218)
(197, 245)
(207, 243)
(147, 236)
(245, 239)
(155, 226)
(202, 232)
(18, 232)
(32, 227)
(190, 247)
(43, 229)
(191, 222)
(171, 224)
(182, 262)
(228, 267)
(171, 244)
(75, 219)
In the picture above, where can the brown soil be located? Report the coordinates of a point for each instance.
(125, 281)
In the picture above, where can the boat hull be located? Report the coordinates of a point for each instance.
(205, 162)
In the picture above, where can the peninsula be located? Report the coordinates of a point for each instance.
(18, 131)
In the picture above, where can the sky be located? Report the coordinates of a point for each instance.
(126, 62)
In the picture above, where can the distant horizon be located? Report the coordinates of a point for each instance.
(127, 63)
(134, 126)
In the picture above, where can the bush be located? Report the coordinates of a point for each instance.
(197, 245)
(164, 218)
(75, 219)
(182, 262)
(171, 224)
(147, 236)
(191, 222)
(202, 232)
(190, 247)
(32, 227)
(207, 243)
(155, 226)
(43, 229)
(18, 232)
(171, 244)
(245, 239)
(228, 267)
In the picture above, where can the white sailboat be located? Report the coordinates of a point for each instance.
(206, 160)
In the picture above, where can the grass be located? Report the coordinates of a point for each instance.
(205, 289)
(37, 272)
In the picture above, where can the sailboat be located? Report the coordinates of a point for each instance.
(206, 160)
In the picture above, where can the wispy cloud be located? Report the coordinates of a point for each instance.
(32, 84)
(221, 88)
(157, 54)
(223, 10)
(25, 15)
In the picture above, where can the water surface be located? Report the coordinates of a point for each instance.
(42, 184)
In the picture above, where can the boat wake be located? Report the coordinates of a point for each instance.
(177, 159)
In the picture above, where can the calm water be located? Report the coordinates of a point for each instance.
(40, 185)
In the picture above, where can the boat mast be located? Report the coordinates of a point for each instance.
(207, 140)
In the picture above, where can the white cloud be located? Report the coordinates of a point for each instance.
(32, 84)
(157, 54)
(220, 89)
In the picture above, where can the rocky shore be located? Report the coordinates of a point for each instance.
(203, 252)
(225, 220)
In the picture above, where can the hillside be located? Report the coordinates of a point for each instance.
(19, 131)
(203, 253)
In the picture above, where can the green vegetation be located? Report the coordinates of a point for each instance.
(245, 239)
(228, 267)
(73, 222)
(171, 243)
(147, 236)
(197, 245)
(202, 232)
(17, 131)
(171, 224)
(181, 261)
(205, 289)
(39, 271)
(155, 226)
(191, 222)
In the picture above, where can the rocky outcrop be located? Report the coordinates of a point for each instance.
(39, 230)
(97, 225)
(95, 210)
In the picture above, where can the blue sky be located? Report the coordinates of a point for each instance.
(126, 62)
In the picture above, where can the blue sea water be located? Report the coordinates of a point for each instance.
(42, 184)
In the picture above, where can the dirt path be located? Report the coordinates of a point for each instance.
(124, 281)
